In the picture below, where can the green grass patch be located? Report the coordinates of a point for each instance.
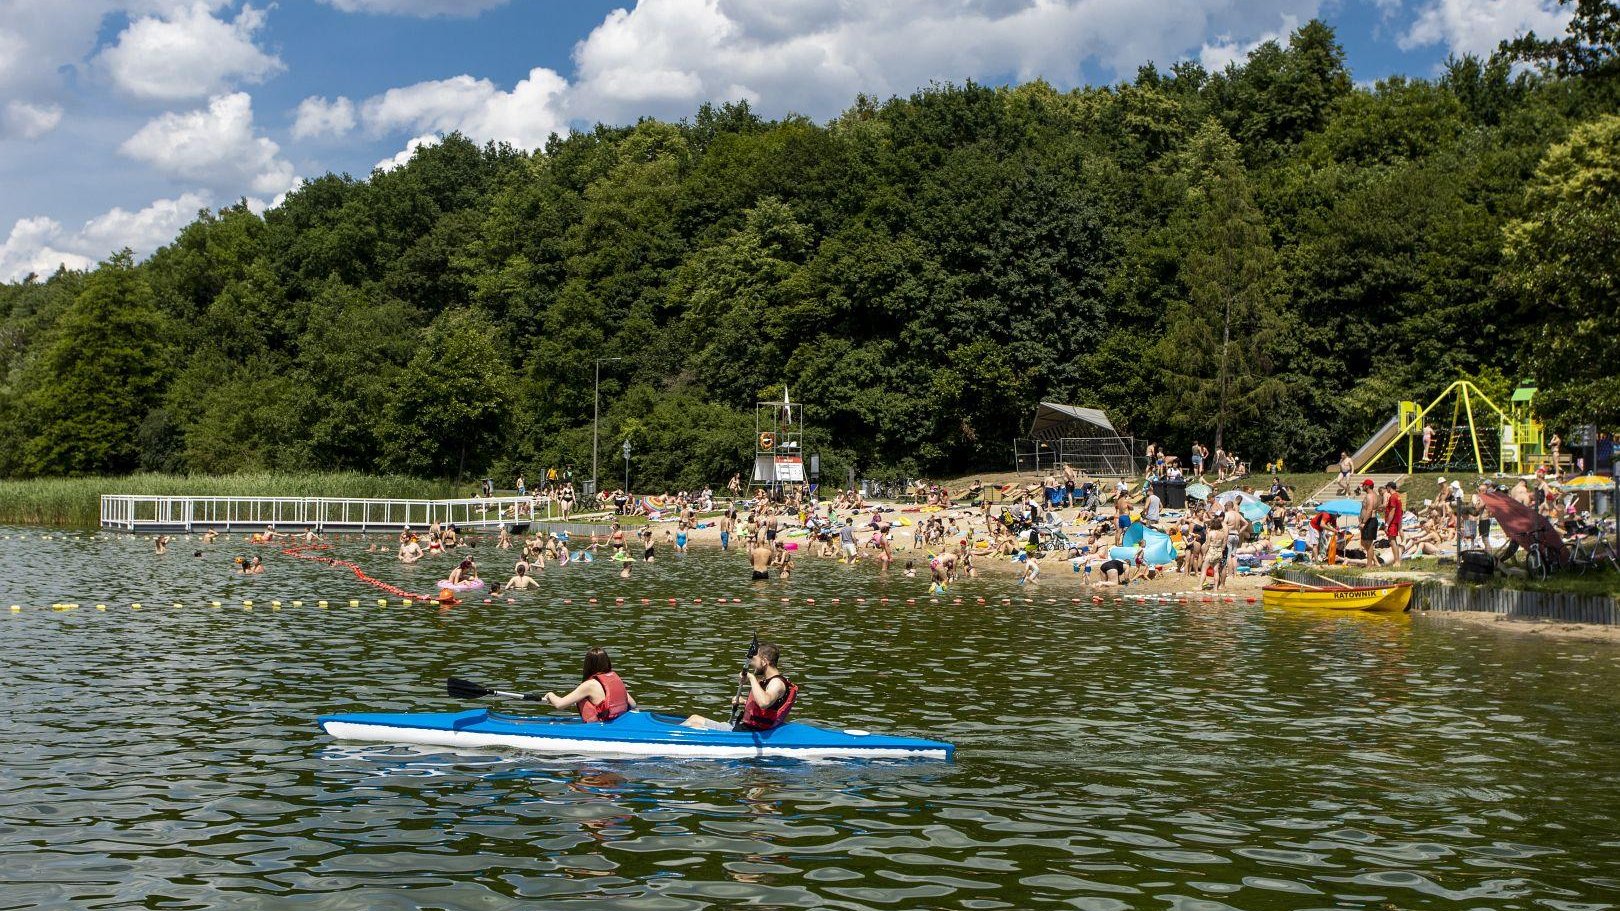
(76, 502)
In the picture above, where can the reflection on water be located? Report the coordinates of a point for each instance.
(1110, 756)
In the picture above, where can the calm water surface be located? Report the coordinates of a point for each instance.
(1110, 756)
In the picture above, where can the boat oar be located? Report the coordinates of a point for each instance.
(737, 701)
(466, 689)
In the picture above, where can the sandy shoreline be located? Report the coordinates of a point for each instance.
(1543, 629)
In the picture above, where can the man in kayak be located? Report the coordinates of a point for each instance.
(601, 695)
(770, 696)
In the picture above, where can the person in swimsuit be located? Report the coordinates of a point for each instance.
(601, 695)
(1370, 504)
(727, 523)
(1112, 572)
(759, 557)
(1394, 515)
(161, 544)
(520, 578)
(1346, 467)
(464, 572)
(680, 537)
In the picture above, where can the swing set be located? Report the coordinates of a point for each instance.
(1512, 440)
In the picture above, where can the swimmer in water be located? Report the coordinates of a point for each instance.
(520, 578)
(410, 551)
(161, 543)
(209, 536)
(465, 572)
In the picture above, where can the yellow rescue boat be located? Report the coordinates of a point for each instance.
(1394, 597)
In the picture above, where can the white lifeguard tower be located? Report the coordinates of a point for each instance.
(779, 442)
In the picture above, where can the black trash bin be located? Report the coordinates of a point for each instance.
(1172, 492)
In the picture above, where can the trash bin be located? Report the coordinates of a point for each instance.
(1172, 492)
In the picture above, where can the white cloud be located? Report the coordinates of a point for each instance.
(812, 56)
(40, 244)
(423, 8)
(25, 120)
(403, 157)
(1477, 26)
(28, 249)
(189, 54)
(1217, 55)
(215, 146)
(318, 117)
(524, 117)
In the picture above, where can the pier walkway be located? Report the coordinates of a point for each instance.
(157, 514)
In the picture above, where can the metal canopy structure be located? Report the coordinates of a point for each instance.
(1056, 422)
(1082, 437)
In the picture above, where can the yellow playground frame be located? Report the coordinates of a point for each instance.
(1521, 433)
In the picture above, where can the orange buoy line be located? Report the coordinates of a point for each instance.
(306, 552)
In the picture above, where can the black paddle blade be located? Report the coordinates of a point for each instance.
(465, 689)
(753, 649)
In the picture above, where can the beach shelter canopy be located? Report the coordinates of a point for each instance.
(1054, 421)
(1524, 526)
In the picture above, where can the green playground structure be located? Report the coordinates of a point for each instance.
(1513, 440)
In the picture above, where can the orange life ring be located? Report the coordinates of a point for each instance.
(767, 441)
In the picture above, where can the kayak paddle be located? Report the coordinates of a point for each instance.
(466, 689)
(737, 702)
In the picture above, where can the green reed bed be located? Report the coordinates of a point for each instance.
(77, 501)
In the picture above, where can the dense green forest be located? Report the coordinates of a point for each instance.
(920, 271)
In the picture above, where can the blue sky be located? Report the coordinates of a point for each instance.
(120, 118)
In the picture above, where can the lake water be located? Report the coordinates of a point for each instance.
(1110, 756)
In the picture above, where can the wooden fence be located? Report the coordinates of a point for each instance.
(1442, 595)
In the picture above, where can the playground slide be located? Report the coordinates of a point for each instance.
(1386, 433)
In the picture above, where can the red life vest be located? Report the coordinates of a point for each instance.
(616, 699)
(756, 718)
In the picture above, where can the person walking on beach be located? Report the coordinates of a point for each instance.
(1370, 504)
(728, 522)
(1346, 468)
(1394, 515)
(1122, 516)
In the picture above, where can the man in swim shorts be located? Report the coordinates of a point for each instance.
(759, 557)
(1371, 503)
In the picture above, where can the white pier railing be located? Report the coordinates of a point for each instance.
(132, 512)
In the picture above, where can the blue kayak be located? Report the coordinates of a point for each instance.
(632, 734)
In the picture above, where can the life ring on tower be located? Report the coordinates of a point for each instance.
(767, 441)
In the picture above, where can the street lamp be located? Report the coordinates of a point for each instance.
(596, 414)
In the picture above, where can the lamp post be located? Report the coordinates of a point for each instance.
(627, 466)
(596, 414)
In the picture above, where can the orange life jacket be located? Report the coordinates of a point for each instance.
(764, 718)
(615, 701)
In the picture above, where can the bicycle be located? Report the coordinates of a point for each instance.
(1594, 551)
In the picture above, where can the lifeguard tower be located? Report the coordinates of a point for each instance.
(779, 443)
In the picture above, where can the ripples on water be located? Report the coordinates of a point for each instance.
(1110, 756)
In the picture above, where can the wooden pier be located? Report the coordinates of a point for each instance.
(158, 514)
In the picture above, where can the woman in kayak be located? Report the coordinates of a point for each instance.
(601, 695)
(770, 696)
